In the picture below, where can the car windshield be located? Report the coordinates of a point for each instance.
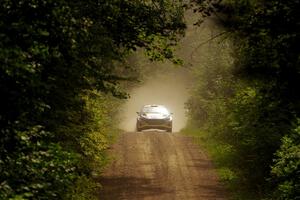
(155, 109)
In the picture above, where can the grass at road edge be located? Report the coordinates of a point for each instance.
(222, 156)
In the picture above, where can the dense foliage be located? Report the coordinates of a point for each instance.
(57, 61)
(257, 118)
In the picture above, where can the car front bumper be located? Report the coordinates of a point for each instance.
(154, 124)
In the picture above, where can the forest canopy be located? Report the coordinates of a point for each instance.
(59, 63)
(252, 108)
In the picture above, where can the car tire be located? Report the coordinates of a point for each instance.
(138, 129)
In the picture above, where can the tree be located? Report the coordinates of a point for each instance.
(53, 54)
(266, 108)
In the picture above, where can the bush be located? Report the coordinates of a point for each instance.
(36, 168)
(286, 168)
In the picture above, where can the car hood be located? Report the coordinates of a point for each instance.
(154, 115)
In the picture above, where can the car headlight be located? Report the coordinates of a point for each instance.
(142, 116)
(168, 117)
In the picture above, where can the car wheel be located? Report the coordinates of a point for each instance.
(137, 126)
(138, 129)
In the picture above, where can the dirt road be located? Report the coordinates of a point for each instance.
(159, 165)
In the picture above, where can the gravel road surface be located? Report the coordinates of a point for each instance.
(159, 165)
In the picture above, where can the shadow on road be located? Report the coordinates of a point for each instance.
(121, 187)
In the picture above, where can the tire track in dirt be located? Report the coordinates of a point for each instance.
(159, 166)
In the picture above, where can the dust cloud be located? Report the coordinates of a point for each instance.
(169, 88)
(167, 84)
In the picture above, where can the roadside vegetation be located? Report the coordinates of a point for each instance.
(245, 104)
(62, 64)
